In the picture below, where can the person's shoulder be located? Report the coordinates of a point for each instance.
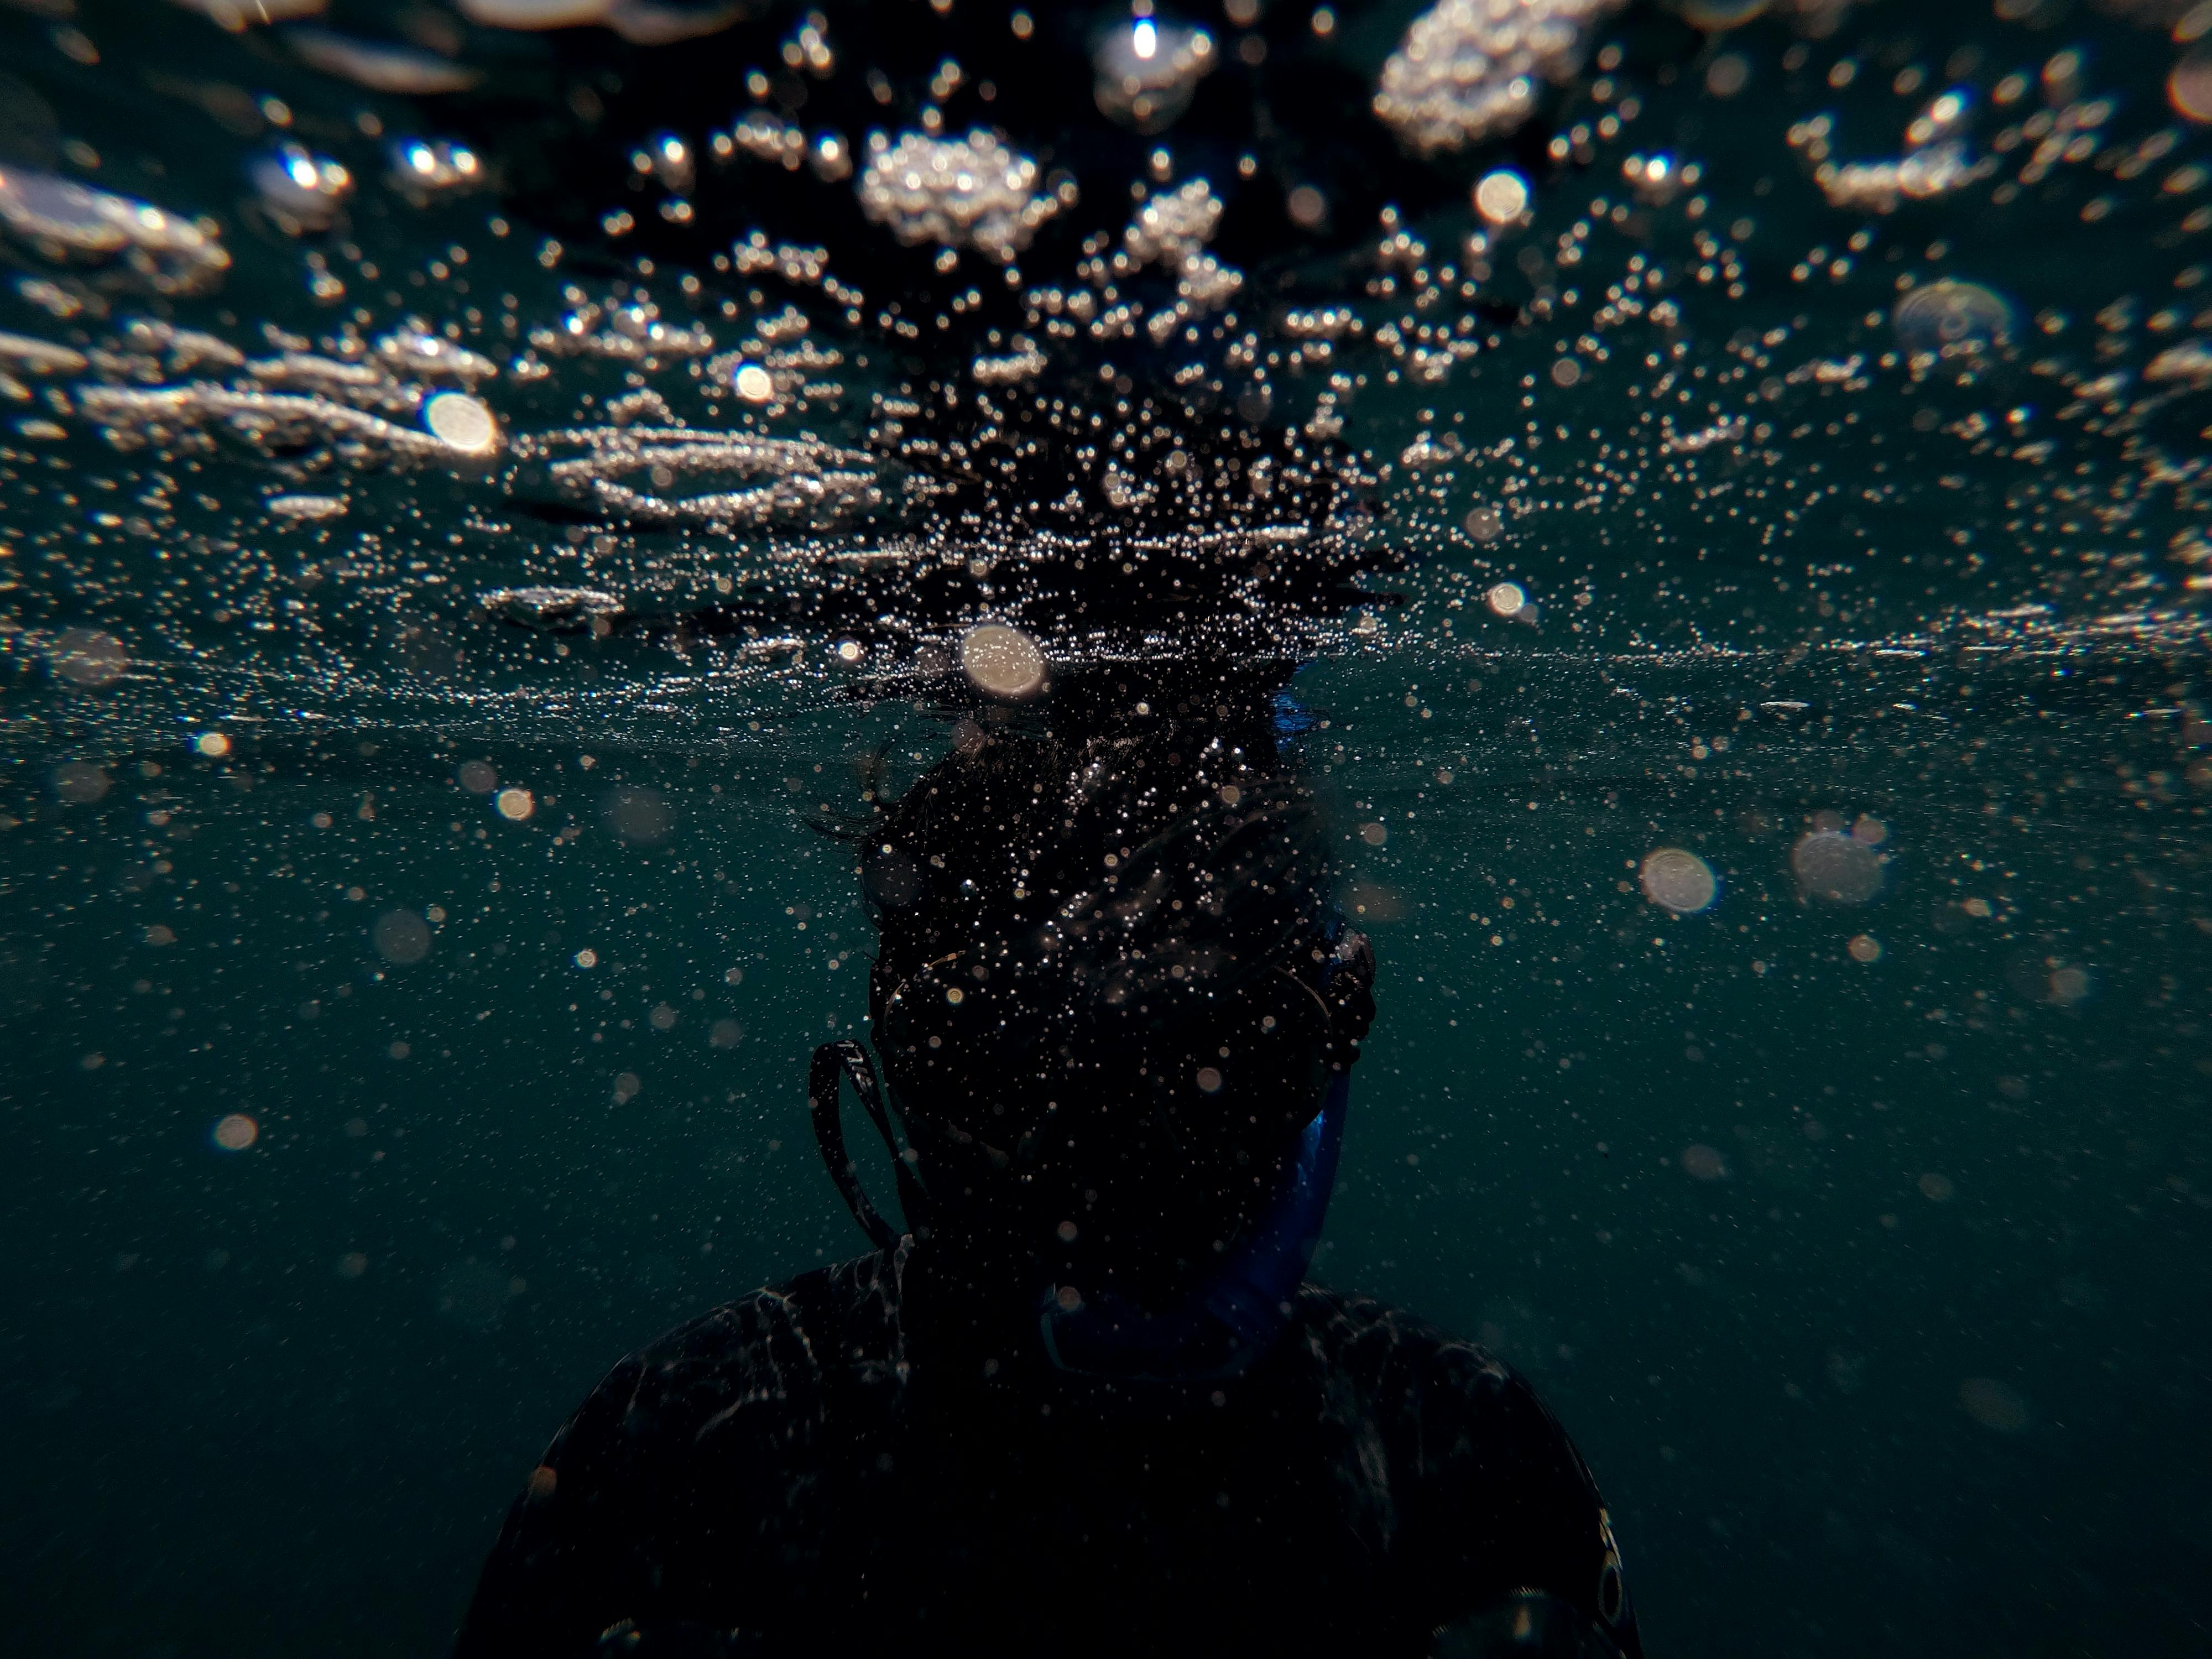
(1489, 1486)
(1406, 1364)
(770, 1344)
(1363, 1331)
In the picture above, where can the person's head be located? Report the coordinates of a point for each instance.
(1109, 992)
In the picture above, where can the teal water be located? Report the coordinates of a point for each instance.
(359, 1116)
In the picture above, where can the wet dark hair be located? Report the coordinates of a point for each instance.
(1110, 991)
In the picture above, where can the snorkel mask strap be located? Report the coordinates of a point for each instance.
(833, 1063)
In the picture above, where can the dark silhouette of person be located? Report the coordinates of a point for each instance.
(1082, 1403)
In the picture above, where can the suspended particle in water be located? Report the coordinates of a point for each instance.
(353, 1264)
(1835, 867)
(1936, 1189)
(474, 1294)
(1847, 1370)
(1501, 198)
(2081, 1292)
(1375, 834)
(1704, 1162)
(627, 1084)
(234, 1132)
(1994, 1405)
(1864, 948)
(87, 657)
(1507, 600)
(427, 648)
(588, 957)
(1307, 207)
(1677, 880)
(640, 817)
(1952, 316)
(1002, 661)
(514, 804)
(1486, 525)
(213, 745)
(401, 936)
(753, 383)
(2188, 87)
(2068, 985)
(1567, 372)
(1728, 75)
(79, 782)
(725, 1034)
(478, 777)
(1209, 1080)
(1717, 15)
(850, 651)
(461, 422)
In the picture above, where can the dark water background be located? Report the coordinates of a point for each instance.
(1860, 1243)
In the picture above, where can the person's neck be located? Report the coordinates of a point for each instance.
(970, 1303)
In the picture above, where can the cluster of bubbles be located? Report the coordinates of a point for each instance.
(1472, 69)
(1601, 299)
(1148, 72)
(68, 224)
(971, 192)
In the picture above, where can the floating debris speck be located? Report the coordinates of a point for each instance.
(1677, 880)
(1950, 316)
(1501, 197)
(1002, 661)
(461, 422)
(1836, 867)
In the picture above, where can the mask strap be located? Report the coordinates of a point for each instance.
(833, 1063)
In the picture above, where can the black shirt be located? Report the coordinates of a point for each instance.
(803, 1470)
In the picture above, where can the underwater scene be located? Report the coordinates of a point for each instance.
(1405, 806)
